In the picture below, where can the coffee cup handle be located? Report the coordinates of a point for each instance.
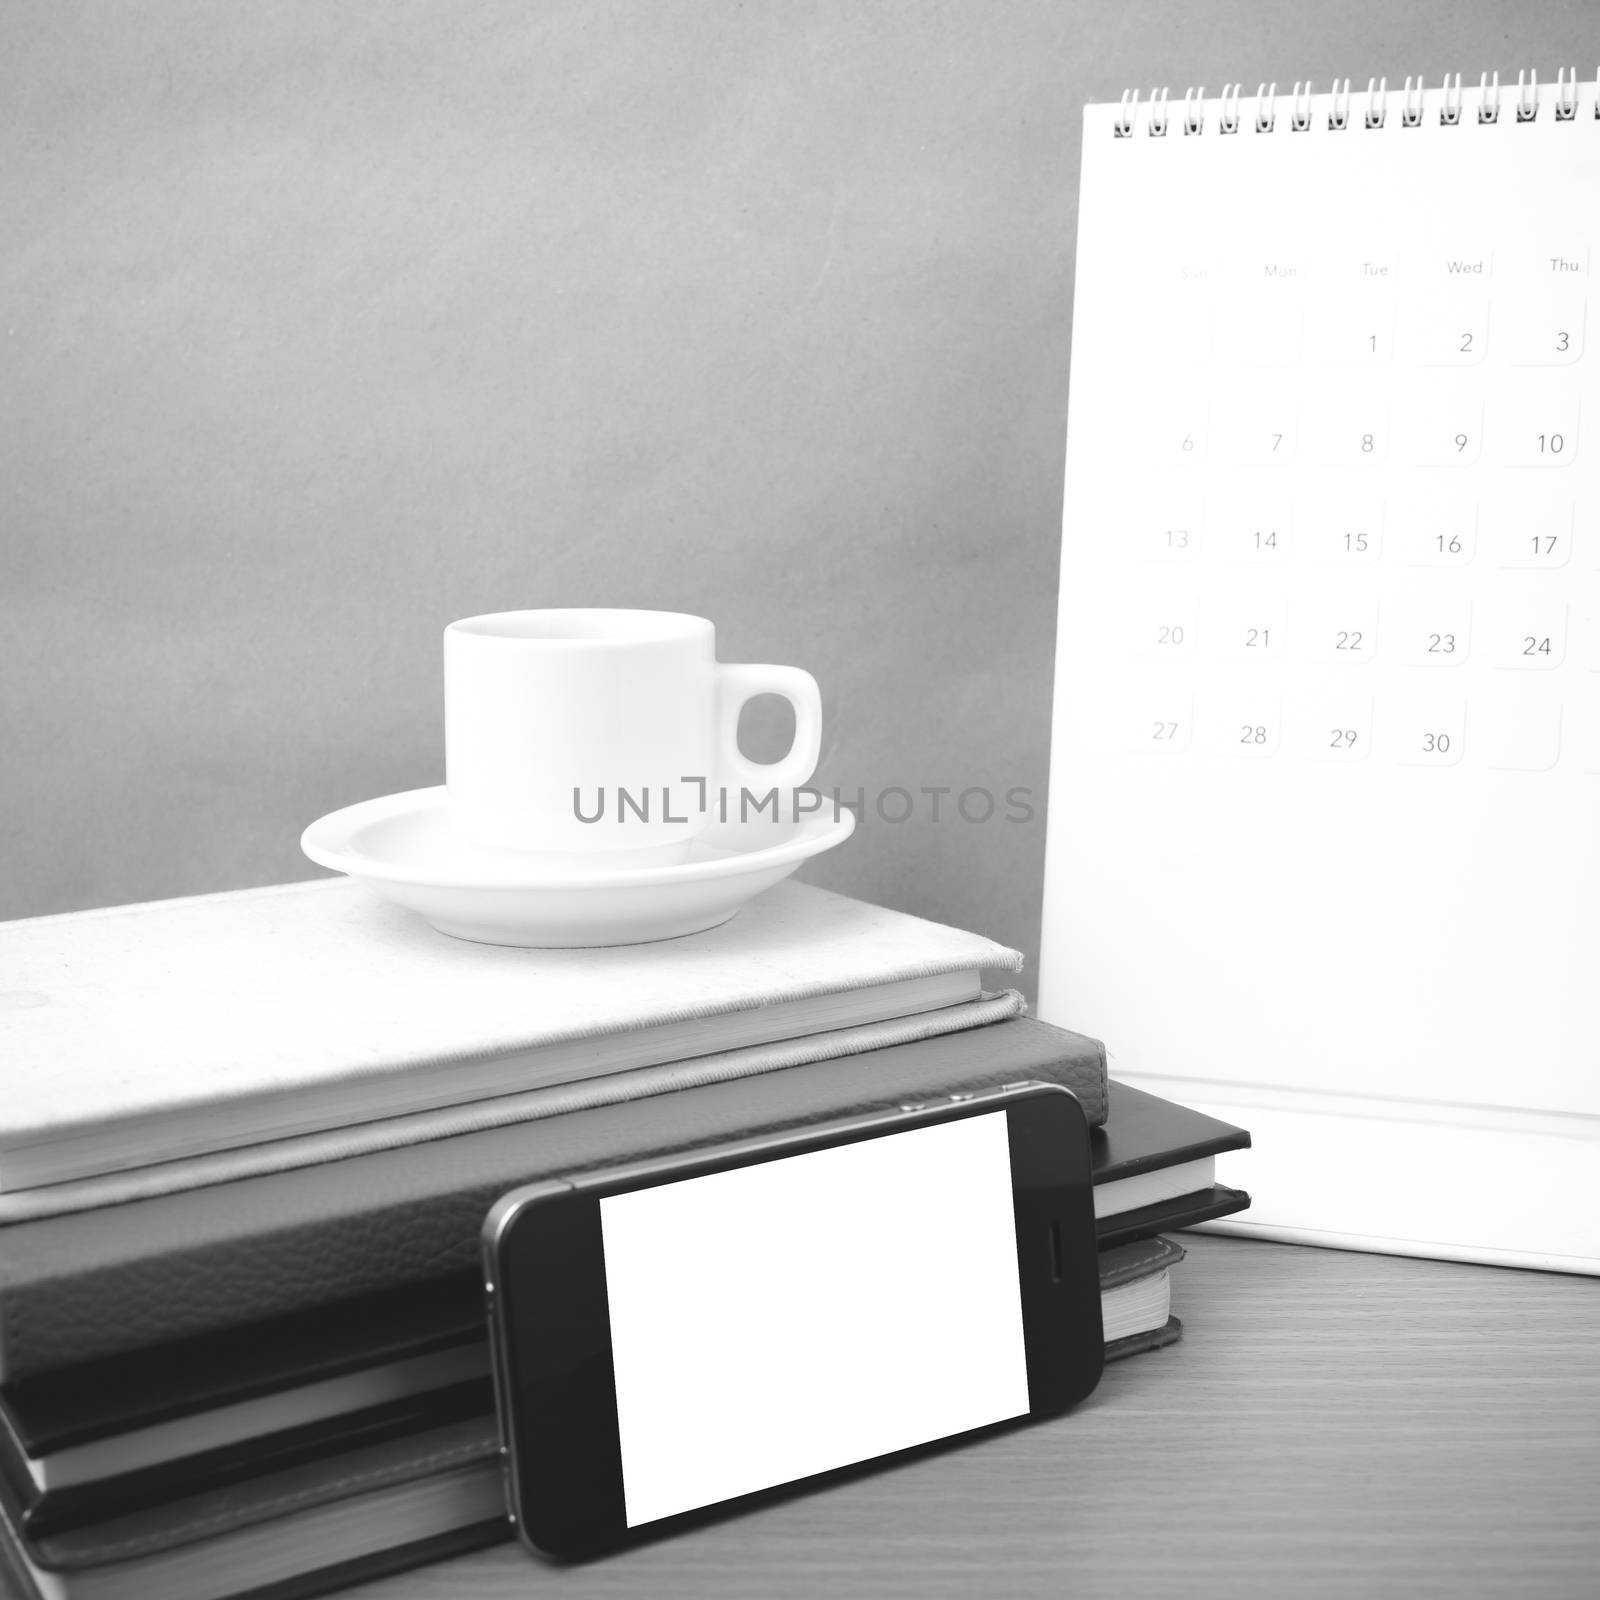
(736, 685)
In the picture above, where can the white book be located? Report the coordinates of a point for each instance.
(177, 1029)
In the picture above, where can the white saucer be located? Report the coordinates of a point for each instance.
(402, 847)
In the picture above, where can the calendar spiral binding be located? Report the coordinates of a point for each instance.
(1409, 105)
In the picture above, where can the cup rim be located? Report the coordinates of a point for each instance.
(628, 626)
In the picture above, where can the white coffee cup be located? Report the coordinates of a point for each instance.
(603, 738)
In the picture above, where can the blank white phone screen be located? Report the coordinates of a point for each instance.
(779, 1320)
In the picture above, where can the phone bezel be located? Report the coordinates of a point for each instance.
(553, 1375)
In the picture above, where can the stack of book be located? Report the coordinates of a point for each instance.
(248, 1142)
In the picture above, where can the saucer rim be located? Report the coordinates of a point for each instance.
(818, 833)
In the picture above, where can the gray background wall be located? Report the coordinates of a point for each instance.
(321, 325)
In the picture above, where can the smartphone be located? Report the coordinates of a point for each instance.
(684, 1337)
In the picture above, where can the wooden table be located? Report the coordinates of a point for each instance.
(1330, 1424)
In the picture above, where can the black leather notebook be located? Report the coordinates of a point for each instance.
(386, 1363)
(78, 1287)
(86, 1503)
(298, 1510)
(431, 1318)
(302, 1528)
(1143, 1133)
(313, 1509)
(1151, 1151)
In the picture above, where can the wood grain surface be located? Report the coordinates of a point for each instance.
(1331, 1424)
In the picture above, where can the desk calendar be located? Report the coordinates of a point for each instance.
(1325, 785)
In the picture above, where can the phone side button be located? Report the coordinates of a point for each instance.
(913, 1105)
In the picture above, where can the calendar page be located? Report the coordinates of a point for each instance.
(1325, 785)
